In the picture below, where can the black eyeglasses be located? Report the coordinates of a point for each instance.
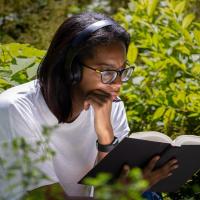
(109, 76)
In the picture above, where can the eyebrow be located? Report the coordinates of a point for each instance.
(110, 65)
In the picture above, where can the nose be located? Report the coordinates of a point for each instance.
(117, 82)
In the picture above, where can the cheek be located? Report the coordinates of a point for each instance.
(90, 82)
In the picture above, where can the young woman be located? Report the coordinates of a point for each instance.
(77, 88)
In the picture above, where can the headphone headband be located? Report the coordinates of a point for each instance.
(84, 34)
(74, 47)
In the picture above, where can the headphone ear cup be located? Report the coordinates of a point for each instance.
(76, 73)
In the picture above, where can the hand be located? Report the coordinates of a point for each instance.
(102, 105)
(154, 176)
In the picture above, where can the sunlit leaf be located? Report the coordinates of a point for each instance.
(32, 71)
(159, 113)
(183, 49)
(132, 53)
(196, 69)
(180, 7)
(197, 36)
(151, 7)
(169, 115)
(21, 64)
(188, 20)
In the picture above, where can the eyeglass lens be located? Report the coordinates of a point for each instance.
(110, 76)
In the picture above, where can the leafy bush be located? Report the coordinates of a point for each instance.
(123, 189)
(18, 64)
(164, 94)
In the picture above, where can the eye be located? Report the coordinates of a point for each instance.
(126, 74)
(108, 76)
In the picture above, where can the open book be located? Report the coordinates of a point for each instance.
(139, 148)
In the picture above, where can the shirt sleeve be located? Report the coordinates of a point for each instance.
(119, 120)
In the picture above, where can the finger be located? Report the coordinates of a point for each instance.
(99, 99)
(124, 174)
(95, 101)
(152, 163)
(86, 105)
(103, 93)
(173, 161)
(173, 167)
(125, 170)
(167, 170)
(161, 173)
(100, 92)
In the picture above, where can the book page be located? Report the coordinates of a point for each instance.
(151, 136)
(187, 140)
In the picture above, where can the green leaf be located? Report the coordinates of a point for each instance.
(159, 112)
(32, 71)
(132, 53)
(21, 64)
(196, 69)
(169, 115)
(188, 20)
(183, 49)
(180, 7)
(187, 35)
(152, 4)
(197, 36)
(4, 83)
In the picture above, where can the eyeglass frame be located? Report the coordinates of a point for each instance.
(119, 72)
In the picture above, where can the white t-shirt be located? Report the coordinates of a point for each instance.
(23, 112)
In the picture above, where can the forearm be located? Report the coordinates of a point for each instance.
(104, 141)
(100, 156)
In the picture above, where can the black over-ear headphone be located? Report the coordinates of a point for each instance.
(76, 72)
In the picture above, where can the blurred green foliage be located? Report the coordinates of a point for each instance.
(19, 164)
(129, 188)
(35, 21)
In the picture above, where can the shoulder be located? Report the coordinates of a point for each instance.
(16, 109)
(18, 96)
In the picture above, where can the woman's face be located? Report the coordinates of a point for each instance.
(112, 56)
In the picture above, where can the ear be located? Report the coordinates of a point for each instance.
(76, 72)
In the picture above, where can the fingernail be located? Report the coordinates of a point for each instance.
(175, 161)
(157, 157)
(169, 174)
(176, 166)
(126, 167)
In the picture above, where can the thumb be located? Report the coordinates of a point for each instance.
(125, 170)
(124, 179)
(86, 105)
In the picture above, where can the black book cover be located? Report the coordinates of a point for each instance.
(137, 153)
